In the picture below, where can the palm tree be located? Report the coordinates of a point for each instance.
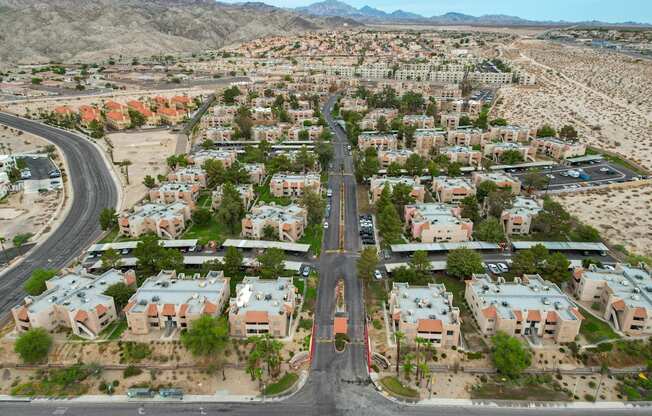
(398, 336)
(125, 164)
(408, 366)
(424, 372)
(4, 250)
(419, 341)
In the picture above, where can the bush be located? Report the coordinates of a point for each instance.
(35, 285)
(33, 346)
(131, 371)
(377, 324)
(133, 352)
(474, 355)
(589, 398)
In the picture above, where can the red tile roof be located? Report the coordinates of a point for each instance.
(100, 309)
(81, 316)
(340, 325)
(256, 317)
(489, 312)
(430, 325)
(183, 308)
(168, 310)
(22, 313)
(209, 308)
(533, 315)
(619, 305)
(152, 310)
(640, 312)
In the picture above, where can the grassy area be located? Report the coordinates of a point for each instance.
(376, 293)
(394, 386)
(111, 236)
(311, 294)
(213, 231)
(616, 160)
(595, 330)
(313, 236)
(114, 330)
(205, 200)
(265, 195)
(282, 385)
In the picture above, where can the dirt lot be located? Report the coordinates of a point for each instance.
(564, 95)
(26, 212)
(622, 215)
(147, 151)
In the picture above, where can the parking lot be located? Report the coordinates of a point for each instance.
(599, 173)
(367, 230)
(39, 167)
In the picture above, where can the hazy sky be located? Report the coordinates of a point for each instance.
(573, 10)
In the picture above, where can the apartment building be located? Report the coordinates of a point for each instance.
(370, 121)
(517, 220)
(357, 105)
(494, 151)
(452, 190)
(75, 301)
(117, 120)
(190, 174)
(420, 121)
(219, 134)
(262, 307)
(227, 157)
(289, 222)
(464, 155)
(428, 140)
(467, 136)
(300, 115)
(166, 221)
(170, 192)
(170, 301)
(449, 121)
(377, 184)
(171, 116)
(622, 294)
(437, 222)
(426, 312)
(529, 306)
(387, 157)
(256, 172)
(512, 134)
(377, 140)
(262, 114)
(246, 192)
(557, 148)
(502, 180)
(267, 133)
(293, 185)
(62, 112)
(89, 114)
(313, 132)
(151, 118)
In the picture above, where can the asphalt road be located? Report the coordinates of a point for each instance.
(338, 383)
(93, 189)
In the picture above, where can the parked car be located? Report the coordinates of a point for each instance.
(329, 193)
(305, 270)
(378, 275)
(326, 224)
(503, 267)
(493, 269)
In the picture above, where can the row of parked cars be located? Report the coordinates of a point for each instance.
(497, 268)
(367, 229)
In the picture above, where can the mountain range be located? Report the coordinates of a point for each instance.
(87, 30)
(367, 14)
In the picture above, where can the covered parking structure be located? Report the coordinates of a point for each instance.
(407, 249)
(97, 249)
(571, 161)
(436, 266)
(197, 261)
(247, 245)
(565, 246)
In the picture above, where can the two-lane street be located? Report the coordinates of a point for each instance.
(93, 188)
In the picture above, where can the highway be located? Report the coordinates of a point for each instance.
(338, 383)
(93, 188)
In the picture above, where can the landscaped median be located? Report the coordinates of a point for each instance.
(393, 386)
(282, 385)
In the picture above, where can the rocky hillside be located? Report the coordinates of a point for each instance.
(86, 30)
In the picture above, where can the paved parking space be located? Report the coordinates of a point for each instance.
(602, 173)
(39, 167)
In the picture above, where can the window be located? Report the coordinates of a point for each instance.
(450, 333)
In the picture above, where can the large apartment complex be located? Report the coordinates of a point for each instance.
(166, 221)
(287, 222)
(437, 222)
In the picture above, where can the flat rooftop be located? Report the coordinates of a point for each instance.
(472, 245)
(270, 296)
(561, 245)
(424, 302)
(633, 285)
(260, 244)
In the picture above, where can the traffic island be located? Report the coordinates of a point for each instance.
(393, 386)
(284, 384)
(340, 342)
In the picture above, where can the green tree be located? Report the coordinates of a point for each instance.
(524, 262)
(215, 173)
(35, 285)
(555, 268)
(509, 355)
(151, 257)
(389, 225)
(568, 132)
(381, 124)
(314, 204)
(121, 293)
(231, 209)
(553, 220)
(498, 201)
(272, 263)
(111, 259)
(232, 262)
(33, 345)
(394, 169)
(535, 180)
(415, 165)
(469, 208)
(454, 169)
(420, 263)
(244, 122)
(401, 196)
(584, 232)
(207, 336)
(19, 240)
(270, 233)
(412, 102)
(490, 230)
(546, 131)
(325, 152)
(201, 216)
(463, 262)
(137, 119)
(149, 182)
(511, 157)
(367, 263)
(229, 94)
(97, 129)
(484, 189)
(108, 218)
